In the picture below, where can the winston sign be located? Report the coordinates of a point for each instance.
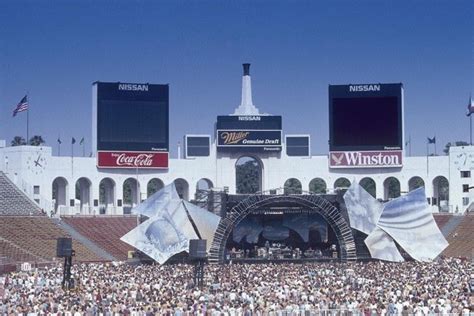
(365, 159)
(127, 159)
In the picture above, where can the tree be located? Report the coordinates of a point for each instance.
(153, 186)
(18, 141)
(36, 140)
(292, 186)
(318, 186)
(369, 185)
(248, 177)
(456, 143)
(127, 192)
(342, 183)
(393, 188)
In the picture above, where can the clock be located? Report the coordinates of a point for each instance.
(464, 161)
(36, 161)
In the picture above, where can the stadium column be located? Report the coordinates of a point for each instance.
(379, 189)
(403, 187)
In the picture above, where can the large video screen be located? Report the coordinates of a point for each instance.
(366, 120)
(132, 117)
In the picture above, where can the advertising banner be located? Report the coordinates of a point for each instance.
(365, 159)
(266, 140)
(132, 159)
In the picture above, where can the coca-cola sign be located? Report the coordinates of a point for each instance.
(128, 159)
(365, 159)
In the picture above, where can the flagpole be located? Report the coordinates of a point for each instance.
(72, 158)
(427, 162)
(409, 148)
(470, 129)
(27, 118)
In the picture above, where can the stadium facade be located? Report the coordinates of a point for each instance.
(135, 162)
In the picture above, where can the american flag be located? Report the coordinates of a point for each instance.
(22, 106)
(470, 107)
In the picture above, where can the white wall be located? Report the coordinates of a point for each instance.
(220, 170)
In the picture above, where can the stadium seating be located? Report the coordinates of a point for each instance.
(13, 201)
(442, 219)
(105, 231)
(34, 238)
(12, 253)
(461, 239)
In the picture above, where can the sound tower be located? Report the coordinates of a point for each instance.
(197, 249)
(64, 247)
(197, 254)
(64, 250)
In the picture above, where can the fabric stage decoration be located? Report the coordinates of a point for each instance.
(407, 220)
(169, 226)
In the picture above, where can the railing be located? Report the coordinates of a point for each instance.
(64, 210)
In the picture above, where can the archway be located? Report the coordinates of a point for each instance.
(369, 185)
(60, 189)
(415, 183)
(107, 196)
(131, 194)
(83, 195)
(342, 184)
(153, 186)
(391, 187)
(292, 186)
(318, 186)
(182, 187)
(202, 189)
(313, 203)
(248, 175)
(441, 193)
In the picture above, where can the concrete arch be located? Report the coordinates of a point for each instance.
(182, 187)
(204, 184)
(342, 183)
(415, 183)
(153, 186)
(292, 186)
(391, 187)
(440, 196)
(107, 196)
(60, 188)
(256, 167)
(84, 195)
(312, 202)
(131, 194)
(318, 186)
(369, 185)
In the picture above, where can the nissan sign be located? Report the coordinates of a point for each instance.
(365, 159)
(134, 160)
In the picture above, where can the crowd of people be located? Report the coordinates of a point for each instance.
(370, 288)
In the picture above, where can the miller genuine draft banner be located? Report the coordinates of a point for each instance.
(253, 133)
(266, 140)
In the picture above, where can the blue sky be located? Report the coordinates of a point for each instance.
(54, 50)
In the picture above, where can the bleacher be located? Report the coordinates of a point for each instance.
(461, 239)
(13, 201)
(36, 236)
(105, 231)
(12, 253)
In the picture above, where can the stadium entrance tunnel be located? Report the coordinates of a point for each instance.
(267, 205)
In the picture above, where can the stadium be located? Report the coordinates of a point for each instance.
(279, 222)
